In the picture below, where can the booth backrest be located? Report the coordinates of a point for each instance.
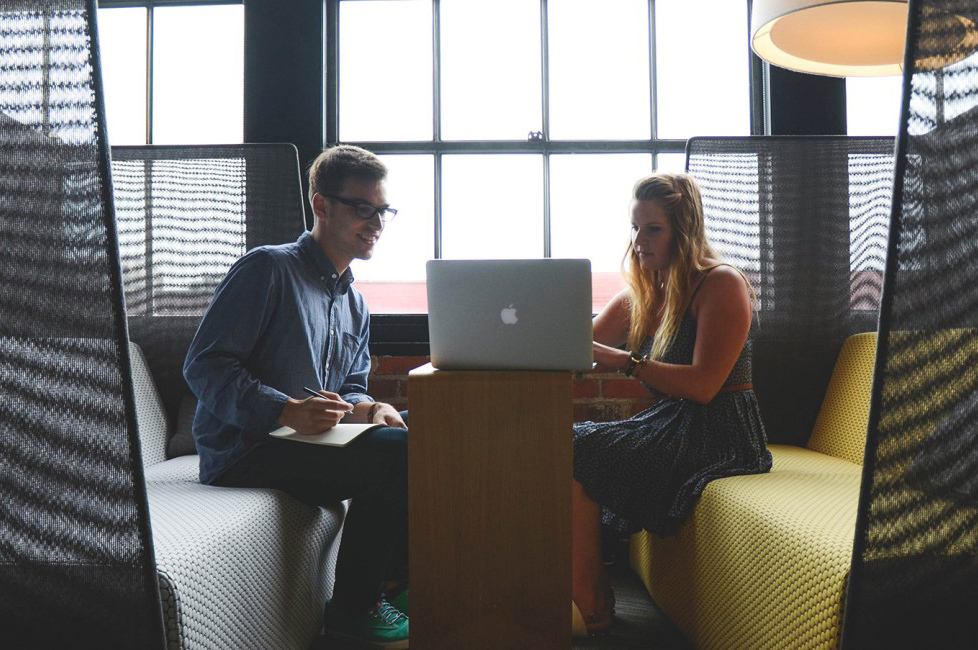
(185, 214)
(840, 428)
(149, 410)
(806, 218)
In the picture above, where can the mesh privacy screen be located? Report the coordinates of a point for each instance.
(914, 579)
(806, 218)
(76, 560)
(185, 214)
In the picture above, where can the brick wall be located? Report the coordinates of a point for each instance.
(598, 397)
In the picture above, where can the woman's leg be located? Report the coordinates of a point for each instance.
(590, 587)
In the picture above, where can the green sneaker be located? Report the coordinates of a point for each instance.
(382, 627)
(401, 602)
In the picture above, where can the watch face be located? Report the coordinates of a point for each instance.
(632, 362)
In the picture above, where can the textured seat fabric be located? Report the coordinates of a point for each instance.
(241, 568)
(149, 410)
(763, 561)
(840, 428)
(238, 568)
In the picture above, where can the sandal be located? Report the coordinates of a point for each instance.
(579, 626)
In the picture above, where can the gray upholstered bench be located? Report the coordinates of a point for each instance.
(238, 568)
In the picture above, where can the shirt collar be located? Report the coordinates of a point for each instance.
(326, 270)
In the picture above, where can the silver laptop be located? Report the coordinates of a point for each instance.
(510, 314)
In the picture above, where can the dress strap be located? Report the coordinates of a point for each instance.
(706, 272)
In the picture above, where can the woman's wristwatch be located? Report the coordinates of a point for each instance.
(633, 363)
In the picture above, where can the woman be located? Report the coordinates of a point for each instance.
(686, 319)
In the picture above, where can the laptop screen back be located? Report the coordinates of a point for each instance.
(510, 314)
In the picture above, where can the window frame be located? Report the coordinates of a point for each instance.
(439, 147)
(408, 333)
(283, 97)
(150, 5)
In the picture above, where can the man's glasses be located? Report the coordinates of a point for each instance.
(365, 210)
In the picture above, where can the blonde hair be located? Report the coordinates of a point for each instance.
(692, 254)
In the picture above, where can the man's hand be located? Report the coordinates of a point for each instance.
(387, 414)
(315, 414)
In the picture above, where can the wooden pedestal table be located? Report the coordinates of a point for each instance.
(490, 473)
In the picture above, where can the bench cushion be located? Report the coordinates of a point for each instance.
(763, 561)
(150, 415)
(840, 428)
(238, 567)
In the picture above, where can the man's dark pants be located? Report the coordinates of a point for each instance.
(372, 471)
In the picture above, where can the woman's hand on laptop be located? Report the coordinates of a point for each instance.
(609, 358)
(314, 414)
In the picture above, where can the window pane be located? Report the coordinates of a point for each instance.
(490, 90)
(599, 69)
(198, 75)
(385, 70)
(393, 280)
(590, 199)
(873, 105)
(122, 45)
(504, 223)
(671, 162)
(702, 68)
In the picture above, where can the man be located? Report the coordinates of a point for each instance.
(286, 317)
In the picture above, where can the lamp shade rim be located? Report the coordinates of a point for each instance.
(836, 38)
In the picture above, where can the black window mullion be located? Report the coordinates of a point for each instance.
(653, 59)
(547, 252)
(126, 4)
(331, 103)
(436, 119)
(437, 206)
(544, 69)
(525, 146)
(436, 70)
(545, 119)
(149, 74)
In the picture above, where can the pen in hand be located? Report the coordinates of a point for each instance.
(315, 393)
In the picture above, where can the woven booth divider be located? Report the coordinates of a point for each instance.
(914, 578)
(185, 214)
(806, 219)
(76, 556)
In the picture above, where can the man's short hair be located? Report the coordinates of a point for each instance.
(331, 169)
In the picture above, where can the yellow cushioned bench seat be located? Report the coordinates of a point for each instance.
(763, 560)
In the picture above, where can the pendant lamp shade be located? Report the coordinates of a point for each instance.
(840, 38)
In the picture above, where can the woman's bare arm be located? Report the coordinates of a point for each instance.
(611, 325)
(723, 315)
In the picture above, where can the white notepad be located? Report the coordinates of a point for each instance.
(339, 436)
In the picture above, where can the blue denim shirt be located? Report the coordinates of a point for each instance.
(281, 319)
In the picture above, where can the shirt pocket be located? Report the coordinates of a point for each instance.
(346, 359)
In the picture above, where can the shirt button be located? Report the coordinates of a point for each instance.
(332, 332)
(334, 276)
(323, 278)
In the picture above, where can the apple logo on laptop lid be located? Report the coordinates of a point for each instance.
(508, 315)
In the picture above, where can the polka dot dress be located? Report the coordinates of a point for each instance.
(647, 471)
